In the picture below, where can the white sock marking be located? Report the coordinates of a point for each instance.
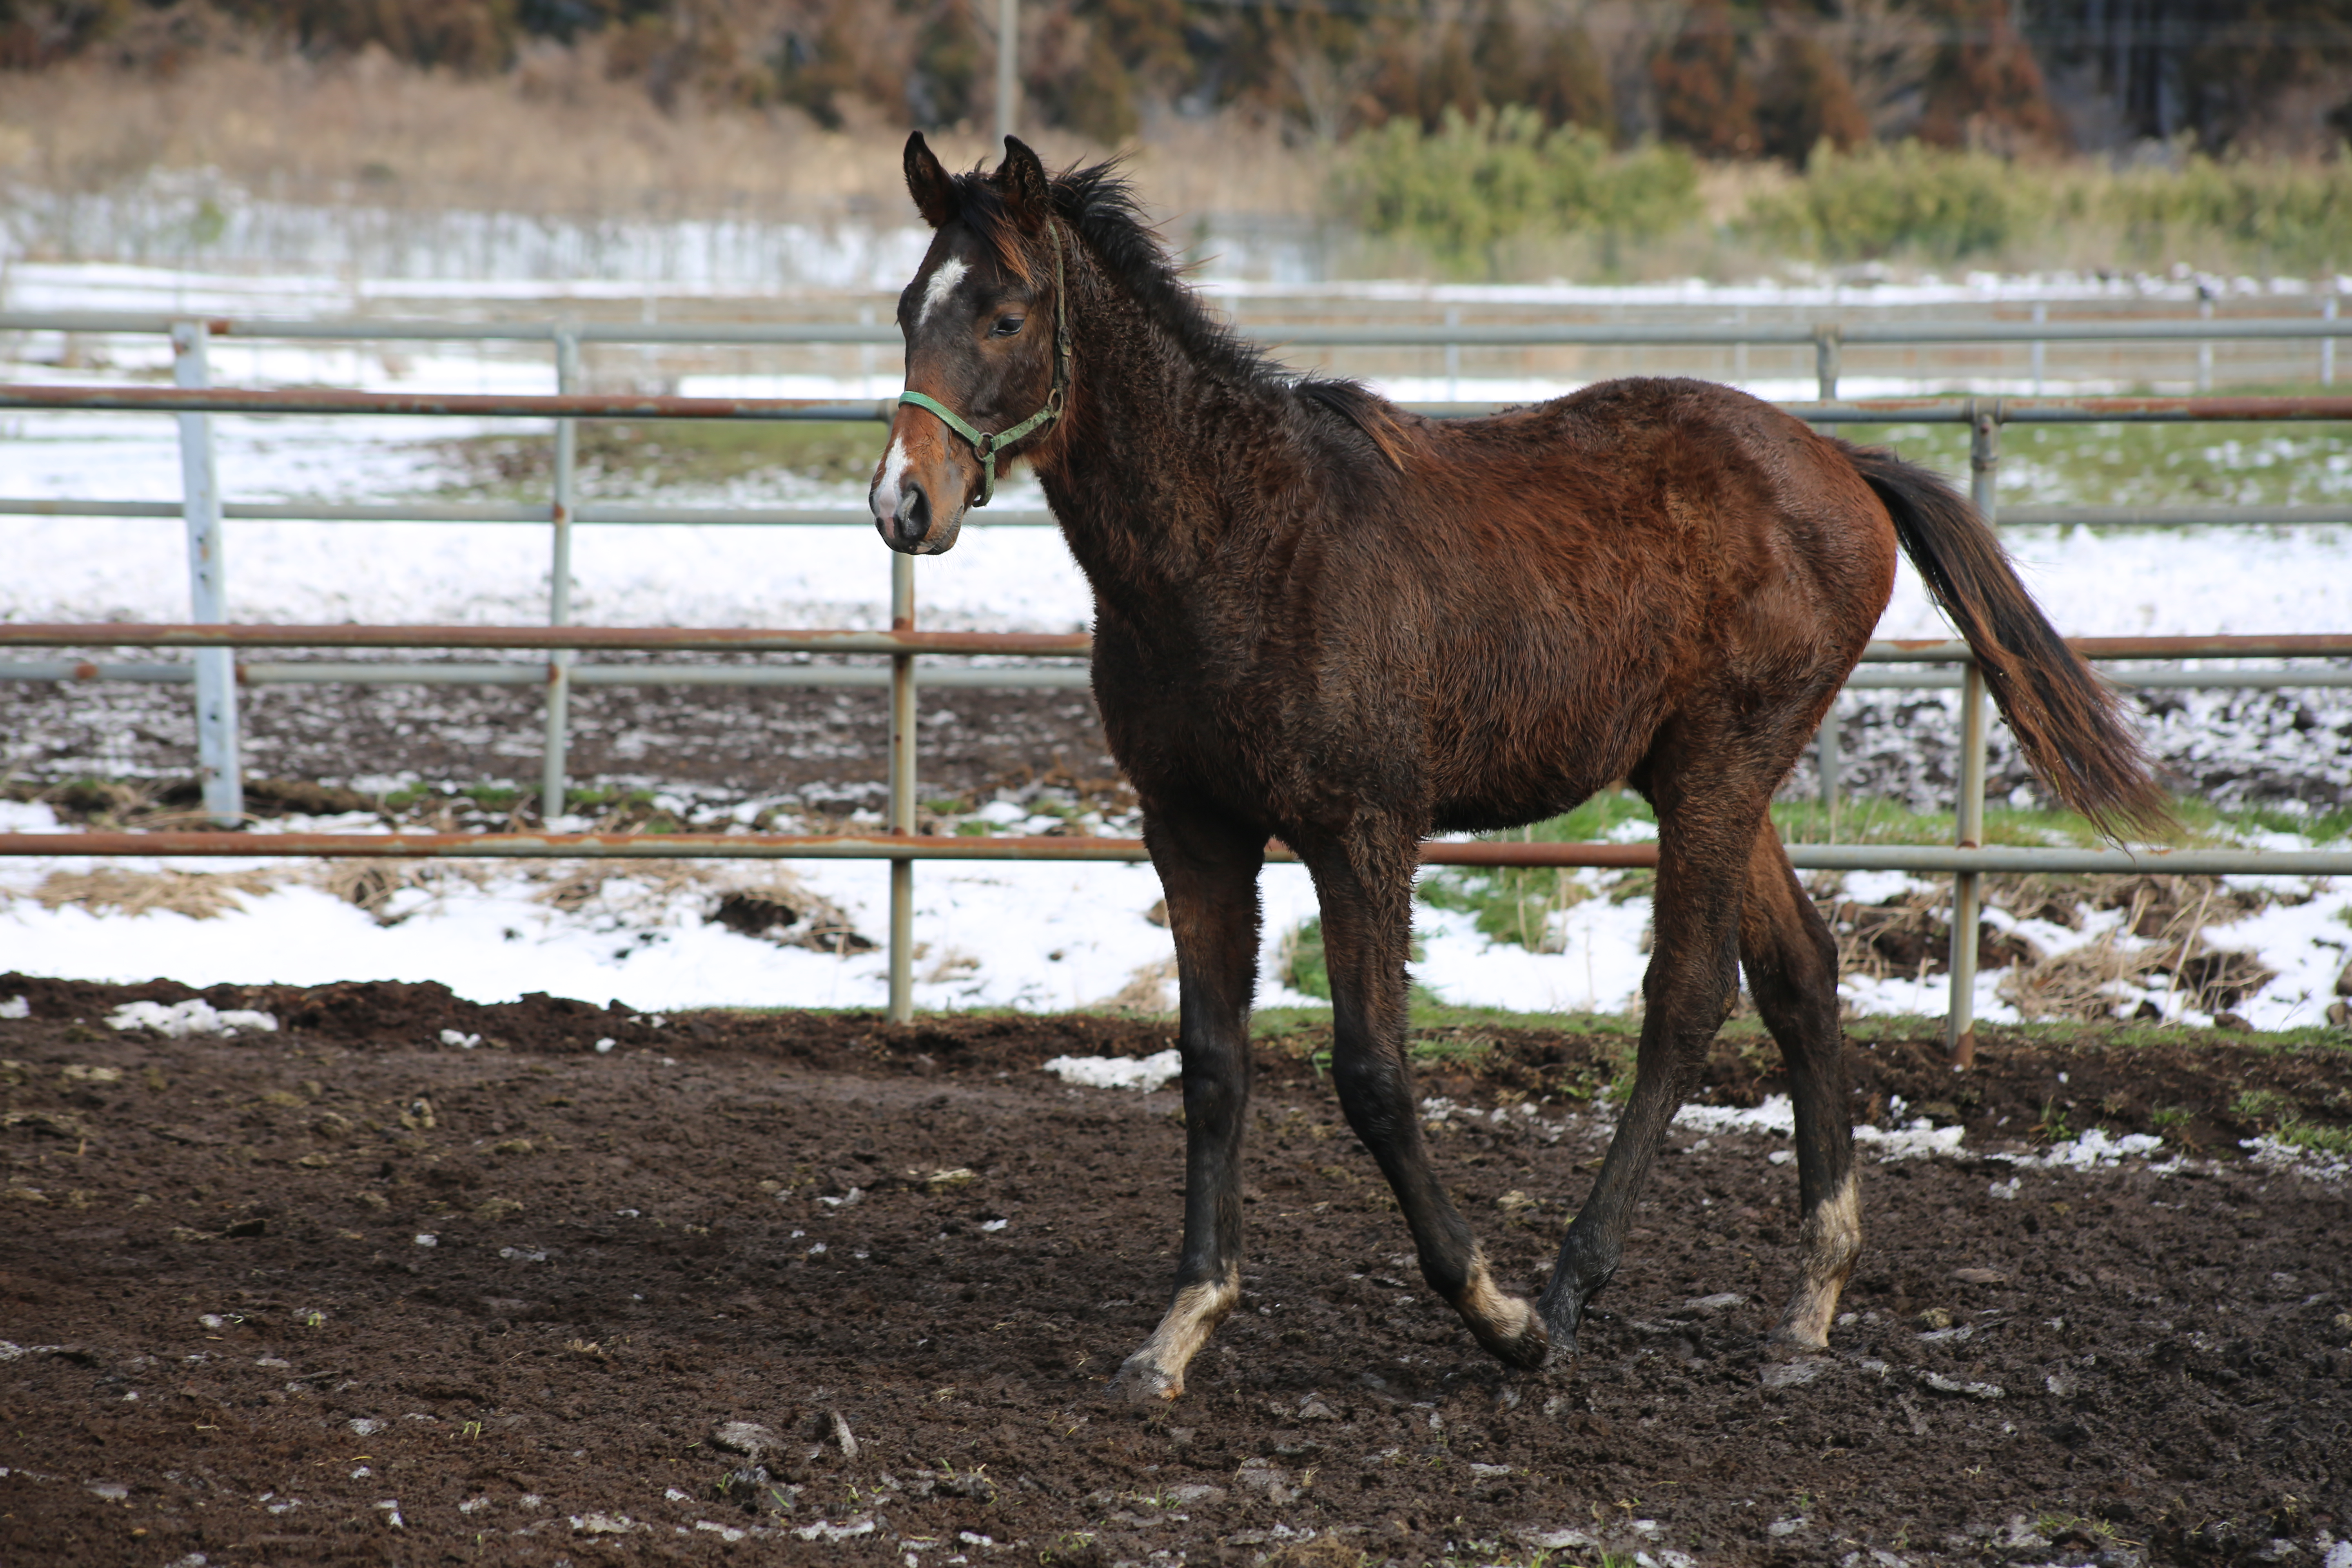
(942, 284)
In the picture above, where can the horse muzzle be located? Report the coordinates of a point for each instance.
(913, 511)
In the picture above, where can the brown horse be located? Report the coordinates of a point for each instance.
(1323, 620)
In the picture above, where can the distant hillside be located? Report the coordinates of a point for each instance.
(1726, 78)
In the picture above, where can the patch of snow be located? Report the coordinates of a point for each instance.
(1776, 1115)
(1145, 1073)
(1921, 1140)
(2316, 1164)
(194, 1016)
(2096, 1147)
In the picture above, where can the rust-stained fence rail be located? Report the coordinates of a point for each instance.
(214, 645)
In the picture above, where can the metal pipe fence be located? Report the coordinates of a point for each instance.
(213, 672)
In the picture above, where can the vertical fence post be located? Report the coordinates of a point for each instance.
(1828, 349)
(2204, 346)
(217, 769)
(558, 592)
(1828, 766)
(1453, 357)
(2327, 344)
(1960, 1028)
(1008, 69)
(902, 791)
(2041, 349)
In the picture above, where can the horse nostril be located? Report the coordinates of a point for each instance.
(914, 515)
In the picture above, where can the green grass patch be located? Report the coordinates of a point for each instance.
(1463, 190)
(2268, 463)
(2288, 1122)
(484, 797)
(1935, 205)
(1907, 198)
(1516, 904)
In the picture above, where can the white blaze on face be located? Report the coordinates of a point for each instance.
(884, 498)
(942, 284)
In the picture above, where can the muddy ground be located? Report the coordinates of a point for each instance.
(348, 1293)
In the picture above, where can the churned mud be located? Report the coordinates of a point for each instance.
(412, 1280)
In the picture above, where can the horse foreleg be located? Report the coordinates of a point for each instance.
(1366, 893)
(1687, 992)
(1791, 961)
(1208, 871)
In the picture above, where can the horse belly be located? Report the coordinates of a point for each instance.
(1527, 748)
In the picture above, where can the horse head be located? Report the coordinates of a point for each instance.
(987, 345)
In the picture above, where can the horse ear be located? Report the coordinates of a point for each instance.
(1026, 191)
(928, 183)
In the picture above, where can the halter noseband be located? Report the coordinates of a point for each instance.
(988, 445)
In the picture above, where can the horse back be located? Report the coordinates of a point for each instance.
(1496, 617)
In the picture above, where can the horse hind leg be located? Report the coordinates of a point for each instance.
(1703, 825)
(1791, 963)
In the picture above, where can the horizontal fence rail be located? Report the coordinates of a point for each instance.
(213, 643)
(1934, 859)
(602, 513)
(631, 405)
(672, 639)
(438, 404)
(1562, 334)
(991, 677)
(1073, 644)
(986, 676)
(733, 639)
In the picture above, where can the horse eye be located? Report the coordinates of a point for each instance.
(1005, 326)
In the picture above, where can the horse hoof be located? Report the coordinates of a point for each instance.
(1561, 1327)
(1529, 1350)
(1797, 1337)
(1525, 1344)
(1140, 1382)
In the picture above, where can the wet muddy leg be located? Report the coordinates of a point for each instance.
(1208, 871)
(1791, 963)
(1366, 892)
(1687, 992)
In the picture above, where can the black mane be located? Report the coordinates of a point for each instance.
(1099, 203)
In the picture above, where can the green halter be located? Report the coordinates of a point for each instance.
(987, 445)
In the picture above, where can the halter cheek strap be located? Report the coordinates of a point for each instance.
(988, 445)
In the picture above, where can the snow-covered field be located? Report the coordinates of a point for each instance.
(1024, 935)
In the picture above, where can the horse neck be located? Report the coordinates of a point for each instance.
(1136, 475)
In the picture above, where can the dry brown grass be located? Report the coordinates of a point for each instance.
(1149, 991)
(2161, 938)
(556, 138)
(755, 898)
(113, 891)
(372, 885)
(759, 899)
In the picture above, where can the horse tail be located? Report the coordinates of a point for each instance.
(2067, 720)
